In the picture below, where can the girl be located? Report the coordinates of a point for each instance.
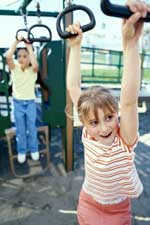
(23, 76)
(111, 178)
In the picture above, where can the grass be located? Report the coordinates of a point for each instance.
(101, 76)
(146, 76)
(104, 66)
(107, 75)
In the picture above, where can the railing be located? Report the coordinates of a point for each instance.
(105, 66)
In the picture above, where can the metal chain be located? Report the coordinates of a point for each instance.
(38, 12)
(24, 15)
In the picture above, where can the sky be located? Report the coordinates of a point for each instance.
(97, 37)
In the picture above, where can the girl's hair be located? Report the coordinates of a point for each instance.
(18, 49)
(21, 48)
(95, 98)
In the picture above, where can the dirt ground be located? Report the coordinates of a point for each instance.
(51, 198)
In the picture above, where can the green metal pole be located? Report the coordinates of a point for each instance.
(30, 13)
(93, 62)
(119, 66)
(69, 123)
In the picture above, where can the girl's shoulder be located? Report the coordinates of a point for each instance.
(129, 148)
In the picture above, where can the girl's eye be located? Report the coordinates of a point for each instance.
(109, 117)
(93, 123)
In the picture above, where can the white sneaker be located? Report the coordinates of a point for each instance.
(21, 157)
(35, 155)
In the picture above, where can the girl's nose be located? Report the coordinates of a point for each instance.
(103, 127)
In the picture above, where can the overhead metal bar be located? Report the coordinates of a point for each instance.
(30, 13)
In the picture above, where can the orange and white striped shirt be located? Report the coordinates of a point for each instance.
(110, 172)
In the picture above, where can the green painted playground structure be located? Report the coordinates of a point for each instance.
(53, 77)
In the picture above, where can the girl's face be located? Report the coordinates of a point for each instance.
(23, 58)
(104, 130)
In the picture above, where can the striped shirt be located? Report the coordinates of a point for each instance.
(110, 172)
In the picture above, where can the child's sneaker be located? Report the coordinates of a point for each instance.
(35, 155)
(21, 157)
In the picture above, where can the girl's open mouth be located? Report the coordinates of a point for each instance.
(106, 136)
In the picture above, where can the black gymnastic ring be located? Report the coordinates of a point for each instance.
(26, 41)
(72, 8)
(31, 38)
(118, 10)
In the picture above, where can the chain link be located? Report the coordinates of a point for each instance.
(24, 15)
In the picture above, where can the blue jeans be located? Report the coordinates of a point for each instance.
(25, 120)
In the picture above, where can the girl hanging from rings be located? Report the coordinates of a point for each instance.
(111, 178)
(24, 76)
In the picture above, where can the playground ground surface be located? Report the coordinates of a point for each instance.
(51, 198)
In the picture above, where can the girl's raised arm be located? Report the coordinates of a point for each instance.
(73, 71)
(131, 32)
(9, 54)
(33, 59)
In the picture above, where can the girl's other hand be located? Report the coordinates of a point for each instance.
(138, 6)
(20, 38)
(132, 27)
(75, 29)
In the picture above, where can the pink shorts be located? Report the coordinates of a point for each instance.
(90, 212)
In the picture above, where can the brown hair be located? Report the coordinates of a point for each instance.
(22, 48)
(94, 98)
